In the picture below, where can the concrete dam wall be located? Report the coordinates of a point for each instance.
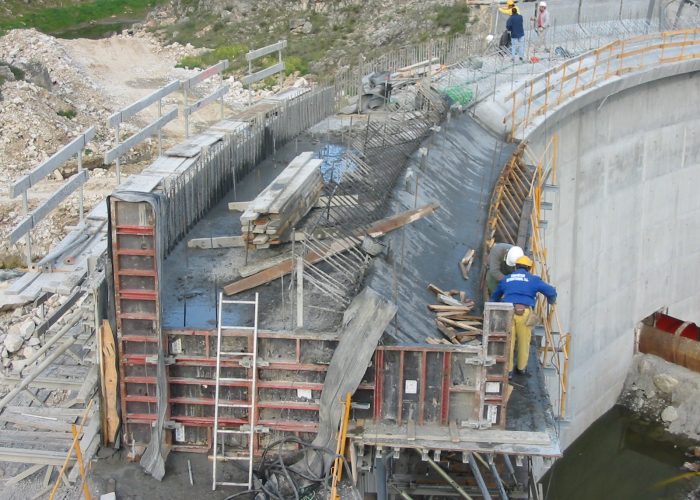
(623, 235)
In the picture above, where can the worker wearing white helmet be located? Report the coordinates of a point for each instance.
(541, 21)
(520, 288)
(502, 258)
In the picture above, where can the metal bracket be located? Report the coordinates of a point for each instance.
(153, 360)
(436, 455)
(258, 428)
(248, 363)
(489, 361)
(397, 453)
(474, 361)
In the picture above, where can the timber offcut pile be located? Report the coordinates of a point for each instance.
(270, 217)
(453, 318)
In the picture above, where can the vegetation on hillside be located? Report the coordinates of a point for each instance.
(342, 33)
(55, 18)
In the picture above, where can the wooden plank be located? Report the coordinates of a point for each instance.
(466, 263)
(110, 399)
(29, 456)
(262, 202)
(48, 423)
(379, 228)
(45, 411)
(285, 267)
(89, 385)
(45, 437)
(44, 382)
(24, 474)
(388, 224)
(256, 267)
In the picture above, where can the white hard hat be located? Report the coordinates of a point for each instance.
(543, 4)
(513, 255)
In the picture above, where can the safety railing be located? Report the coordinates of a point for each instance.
(538, 95)
(554, 353)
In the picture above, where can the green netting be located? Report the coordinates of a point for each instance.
(462, 94)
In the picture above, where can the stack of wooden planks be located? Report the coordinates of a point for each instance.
(452, 317)
(270, 217)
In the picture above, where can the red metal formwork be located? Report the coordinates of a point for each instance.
(135, 263)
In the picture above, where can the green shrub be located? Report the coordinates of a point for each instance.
(53, 20)
(227, 52)
(67, 113)
(295, 63)
(454, 17)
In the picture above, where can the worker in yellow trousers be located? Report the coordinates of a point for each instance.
(521, 288)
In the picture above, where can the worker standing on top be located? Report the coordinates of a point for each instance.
(541, 21)
(517, 34)
(508, 9)
(502, 259)
(520, 288)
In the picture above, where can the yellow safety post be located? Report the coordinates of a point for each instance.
(76, 441)
(340, 449)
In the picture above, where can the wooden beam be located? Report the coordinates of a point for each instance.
(109, 385)
(377, 229)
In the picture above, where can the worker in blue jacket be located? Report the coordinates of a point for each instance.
(517, 34)
(520, 288)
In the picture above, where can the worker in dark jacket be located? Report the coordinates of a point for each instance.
(502, 257)
(517, 34)
(520, 288)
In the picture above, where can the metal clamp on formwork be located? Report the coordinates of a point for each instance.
(167, 360)
(248, 363)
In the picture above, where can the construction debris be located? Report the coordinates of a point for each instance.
(376, 230)
(452, 317)
(466, 263)
(271, 216)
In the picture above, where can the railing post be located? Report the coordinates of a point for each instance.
(561, 87)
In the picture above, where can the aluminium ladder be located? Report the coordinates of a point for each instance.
(250, 431)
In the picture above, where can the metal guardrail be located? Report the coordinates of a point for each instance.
(540, 94)
(269, 71)
(219, 93)
(22, 185)
(554, 353)
(121, 116)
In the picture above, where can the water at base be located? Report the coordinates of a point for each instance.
(620, 457)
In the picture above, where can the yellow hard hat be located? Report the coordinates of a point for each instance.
(524, 261)
(510, 3)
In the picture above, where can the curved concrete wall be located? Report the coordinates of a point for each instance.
(624, 233)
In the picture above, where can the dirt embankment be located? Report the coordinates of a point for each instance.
(56, 89)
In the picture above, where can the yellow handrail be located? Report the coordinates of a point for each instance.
(548, 313)
(614, 57)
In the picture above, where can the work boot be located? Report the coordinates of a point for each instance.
(510, 375)
(524, 372)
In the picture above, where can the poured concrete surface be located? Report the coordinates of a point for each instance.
(623, 237)
(193, 277)
(461, 168)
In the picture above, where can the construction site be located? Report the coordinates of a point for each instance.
(291, 302)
